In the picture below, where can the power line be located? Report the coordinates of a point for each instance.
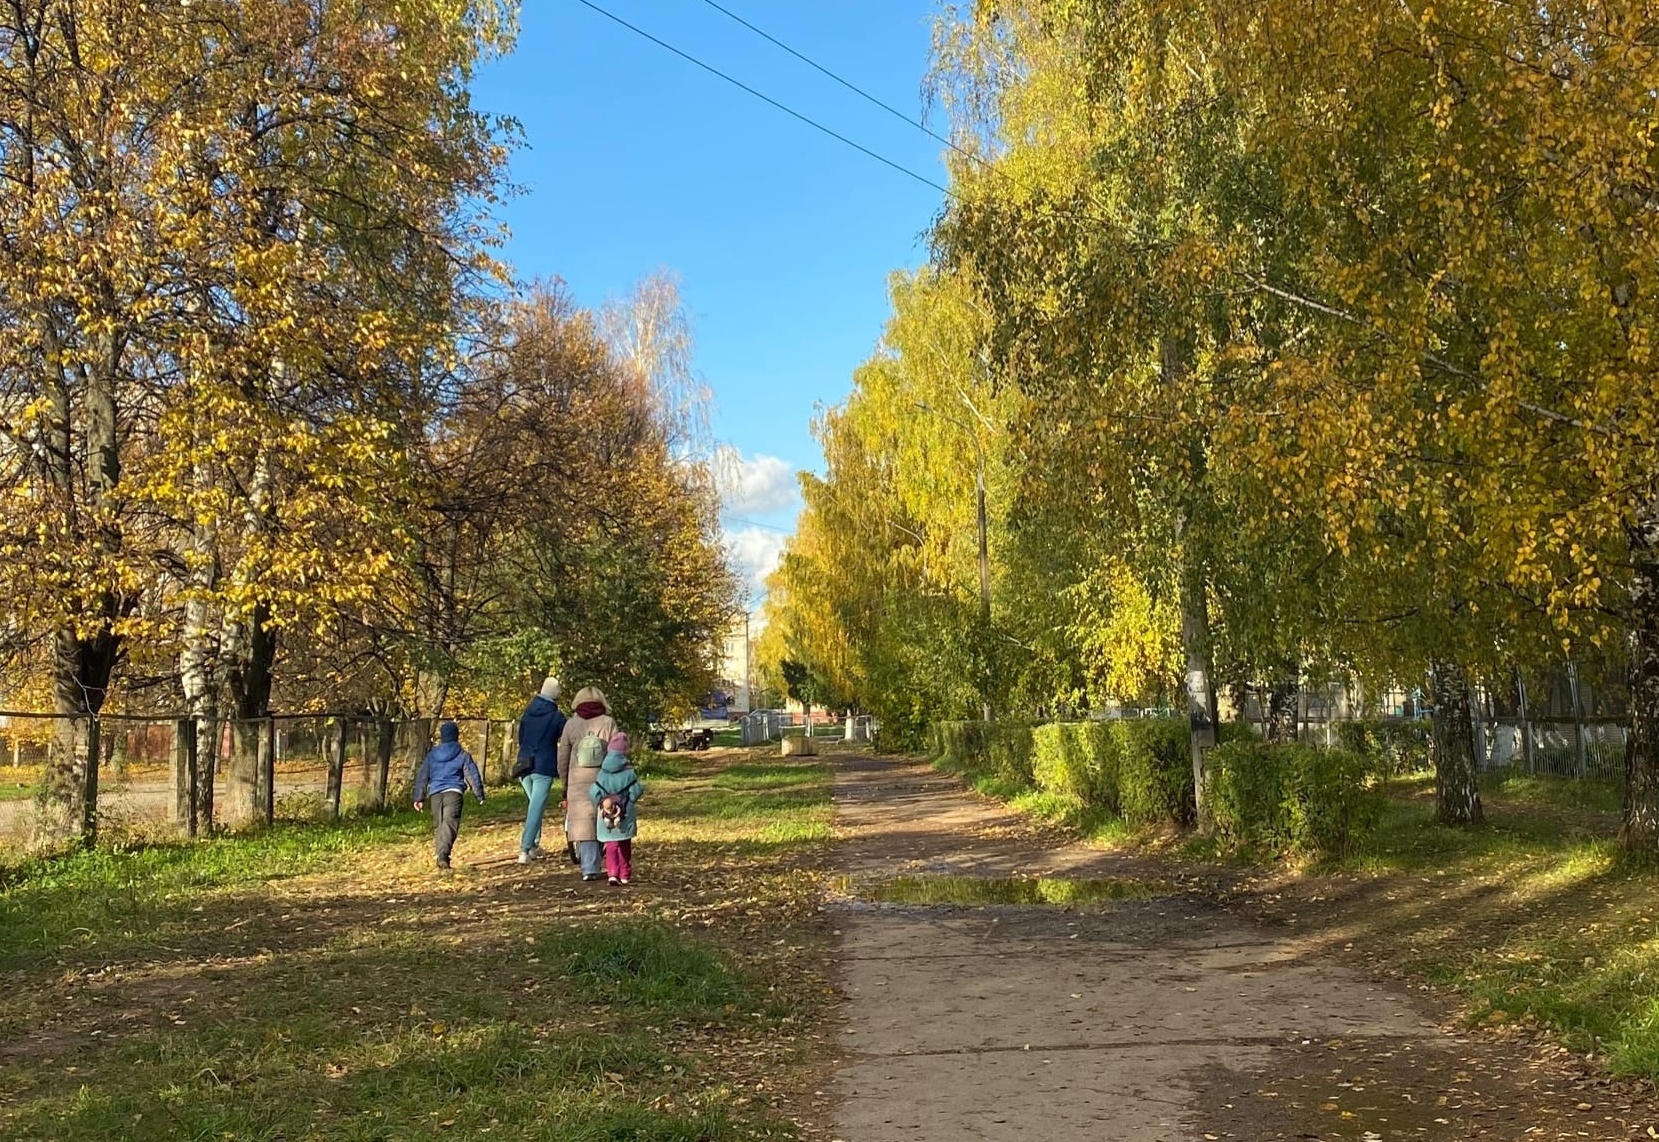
(847, 83)
(813, 123)
(972, 156)
(763, 526)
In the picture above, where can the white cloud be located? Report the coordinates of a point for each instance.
(755, 486)
(755, 552)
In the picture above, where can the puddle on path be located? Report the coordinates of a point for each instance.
(1016, 890)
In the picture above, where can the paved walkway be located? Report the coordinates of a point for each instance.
(1153, 1020)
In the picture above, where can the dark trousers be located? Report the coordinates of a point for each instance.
(446, 816)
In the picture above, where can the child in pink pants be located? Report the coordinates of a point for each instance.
(616, 793)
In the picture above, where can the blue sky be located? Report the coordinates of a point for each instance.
(782, 238)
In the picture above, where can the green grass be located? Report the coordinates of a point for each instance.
(17, 791)
(1536, 918)
(323, 982)
(646, 968)
(1088, 822)
(110, 904)
(766, 803)
(1591, 794)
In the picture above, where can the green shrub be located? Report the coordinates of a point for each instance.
(1291, 798)
(1137, 768)
(1009, 746)
(985, 749)
(1078, 761)
(1390, 748)
(1247, 794)
(1154, 770)
(960, 745)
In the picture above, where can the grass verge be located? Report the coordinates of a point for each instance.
(1535, 920)
(324, 982)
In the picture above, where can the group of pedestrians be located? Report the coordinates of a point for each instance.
(585, 754)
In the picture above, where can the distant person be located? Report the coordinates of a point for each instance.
(582, 748)
(445, 774)
(615, 794)
(538, 744)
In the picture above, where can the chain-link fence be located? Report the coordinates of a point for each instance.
(159, 776)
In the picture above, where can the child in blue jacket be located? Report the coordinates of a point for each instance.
(615, 794)
(445, 774)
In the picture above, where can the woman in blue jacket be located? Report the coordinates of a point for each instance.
(538, 740)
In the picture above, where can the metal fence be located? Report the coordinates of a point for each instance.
(1585, 748)
(155, 776)
(763, 726)
(1562, 747)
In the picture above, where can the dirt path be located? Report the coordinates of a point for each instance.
(1162, 1019)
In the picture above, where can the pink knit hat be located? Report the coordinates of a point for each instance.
(619, 743)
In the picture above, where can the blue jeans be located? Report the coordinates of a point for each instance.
(593, 857)
(536, 787)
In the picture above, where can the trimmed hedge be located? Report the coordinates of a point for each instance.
(1000, 750)
(1292, 798)
(1285, 798)
(1137, 769)
(1077, 761)
(1155, 770)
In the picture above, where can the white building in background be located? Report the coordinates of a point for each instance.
(737, 665)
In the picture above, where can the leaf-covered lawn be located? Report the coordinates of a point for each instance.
(324, 982)
(1535, 919)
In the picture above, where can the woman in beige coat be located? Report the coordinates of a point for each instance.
(582, 749)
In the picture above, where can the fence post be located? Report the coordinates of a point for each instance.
(484, 753)
(383, 763)
(192, 731)
(1477, 710)
(1578, 720)
(417, 739)
(183, 797)
(1526, 722)
(207, 768)
(267, 768)
(337, 768)
(365, 766)
(89, 805)
(117, 748)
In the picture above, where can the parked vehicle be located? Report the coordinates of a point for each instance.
(670, 740)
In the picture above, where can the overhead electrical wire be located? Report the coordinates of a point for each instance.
(757, 523)
(972, 156)
(847, 83)
(763, 97)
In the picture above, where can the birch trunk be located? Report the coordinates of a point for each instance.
(1200, 683)
(1456, 783)
(85, 646)
(199, 664)
(1640, 832)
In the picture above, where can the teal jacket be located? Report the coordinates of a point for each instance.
(617, 775)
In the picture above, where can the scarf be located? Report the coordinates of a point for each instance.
(590, 710)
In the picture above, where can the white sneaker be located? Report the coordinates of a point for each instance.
(536, 853)
(524, 857)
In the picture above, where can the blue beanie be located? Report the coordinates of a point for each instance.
(449, 732)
